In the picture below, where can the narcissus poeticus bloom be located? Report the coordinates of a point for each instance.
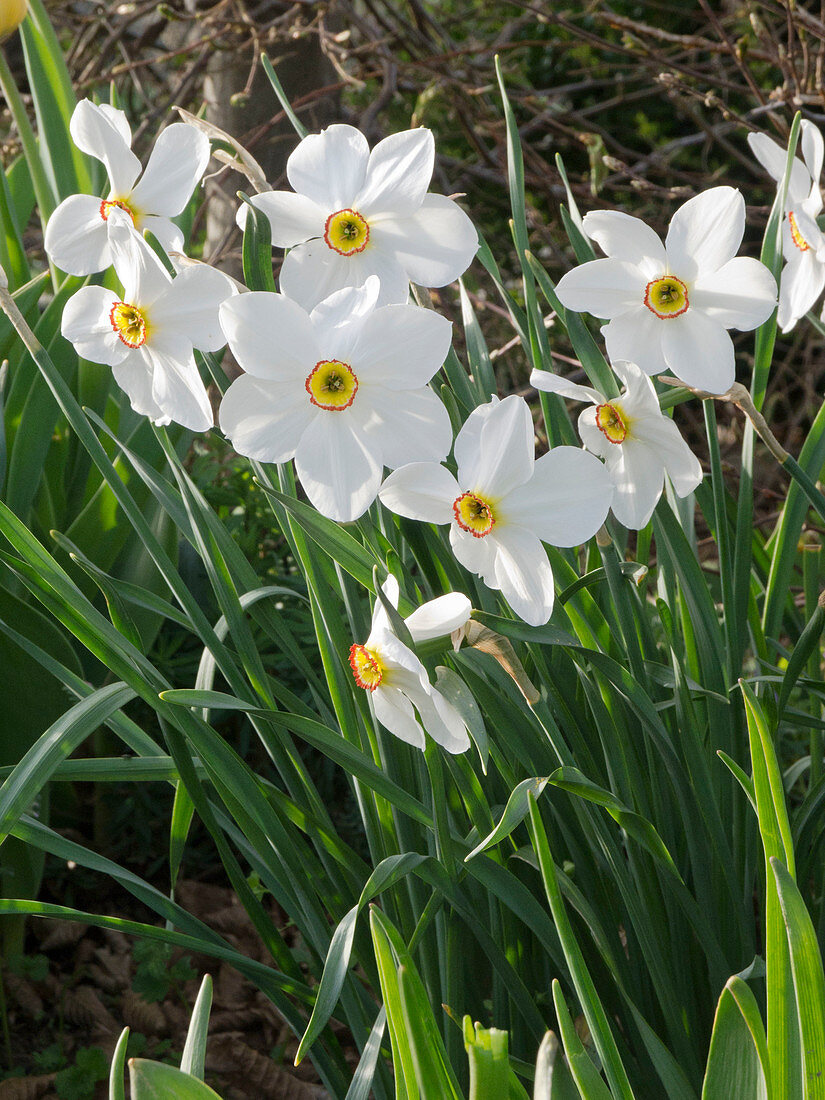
(803, 243)
(669, 305)
(403, 697)
(76, 236)
(147, 334)
(638, 443)
(342, 389)
(503, 503)
(355, 213)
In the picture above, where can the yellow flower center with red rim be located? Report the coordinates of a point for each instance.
(366, 667)
(611, 423)
(129, 324)
(474, 514)
(796, 235)
(108, 205)
(667, 297)
(332, 385)
(346, 232)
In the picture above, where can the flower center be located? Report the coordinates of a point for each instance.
(796, 235)
(366, 668)
(346, 232)
(332, 385)
(667, 297)
(474, 514)
(108, 205)
(611, 423)
(129, 323)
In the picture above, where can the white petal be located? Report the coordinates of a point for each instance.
(402, 347)
(441, 720)
(565, 502)
(135, 376)
(500, 457)
(639, 477)
(330, 167)
(76, 236)
(623, 237)
(773, 159)
(741, 294)
(395, 711)
(803, 278)
(665, 442)
(312, 272)
(554, 383)
(433, 245)
(812, 149)
(119, 120)
(594, 439)
(176, 163)
(176, 384)
(264, 419)
(94, 132)
(637, 336)
(336, 467)
(439, 617)
(605, 288)
(293, 218)
(270, 336)
(398, 173)
(524, 575)
(191, 306)
(169, 235)
(143, 276)
(344, 307)
(639, 398)
(409, 427)
(700, 352)
(380, 618)
(478, 555)
(705, 232)
(87, 325)
(421, 490)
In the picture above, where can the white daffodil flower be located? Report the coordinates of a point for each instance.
(403, 697)
(147, 335)
(504, 503)
(638, 443)
(355, 213)
(76, 236)
(343, 390)
(803, 243)
(670, 305)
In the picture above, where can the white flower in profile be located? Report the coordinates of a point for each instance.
(638, 443)
(403, 697)
(76, 235)
(355, 213)
(670, 305)
(803, 243)
(147, 336)
(504, 504)
(343, 390)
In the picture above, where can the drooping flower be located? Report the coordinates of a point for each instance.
(12, 14)
(403, 697)
(638, 443)
(76, 236)
(803, 243)
(670, 306)
(504, 504)
(355, 213)
(343, 390)
(147, 334)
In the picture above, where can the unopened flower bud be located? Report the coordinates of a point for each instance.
(12, 14)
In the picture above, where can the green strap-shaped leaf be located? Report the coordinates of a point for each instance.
(584, 1072)
(553, 1080)
(117, 1090)
(738, 1057)
(157, 1081)
(515, 811)
(194, 1051)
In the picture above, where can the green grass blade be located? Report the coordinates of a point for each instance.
(738, 1057)
(157, 1081)
(117, 1090)
(194, 1051)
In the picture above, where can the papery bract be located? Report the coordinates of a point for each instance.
(504, 503)
(637, 441)
(670, 306)
(803, 243)
(147, 335)
(355, 213)
(403, 697)
(343, 390)
(76, 237)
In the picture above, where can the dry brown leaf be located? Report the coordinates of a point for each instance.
(24, 995)
(83, 1006)
(263, 1078)
(142, 1016)
(25, 1088)
(62, 933)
